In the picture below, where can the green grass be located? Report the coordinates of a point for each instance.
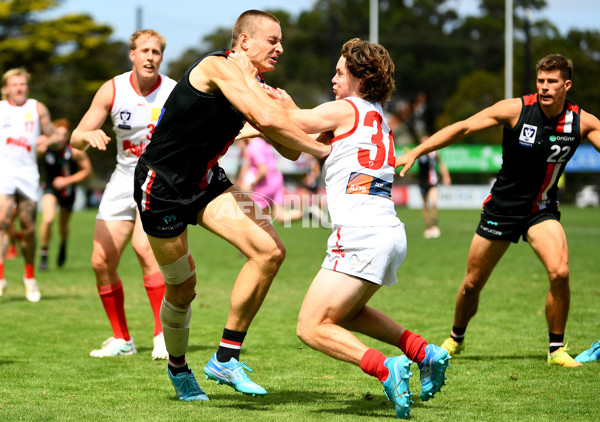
(46, 373)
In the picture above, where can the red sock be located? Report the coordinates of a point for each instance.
(113, 299)
(372, 364)
(29, 271)
(1, 270)
(155, 288)
(413, 346)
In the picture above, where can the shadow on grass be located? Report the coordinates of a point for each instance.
(366, 406)
(500, 357)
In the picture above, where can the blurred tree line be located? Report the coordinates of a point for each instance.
(456, 61)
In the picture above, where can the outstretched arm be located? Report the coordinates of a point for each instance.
(505, 112)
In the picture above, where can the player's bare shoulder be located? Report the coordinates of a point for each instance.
(588, 123)
(204, 76)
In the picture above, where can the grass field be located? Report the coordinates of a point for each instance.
(46, 373)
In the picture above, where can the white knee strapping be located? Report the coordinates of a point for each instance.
(178, 271)
(176, 327)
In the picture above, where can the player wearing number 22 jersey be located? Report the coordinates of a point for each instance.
(535, 153)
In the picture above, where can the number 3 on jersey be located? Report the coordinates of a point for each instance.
(374, 119)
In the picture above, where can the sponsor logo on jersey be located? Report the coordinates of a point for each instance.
(133, 149)
(563, 138)
(490, 231)
(355, 261)
(492, 223)
(364, 184)
(169, 228)
(169, 218)
(19, 142)
(124, 117)
(527, 136)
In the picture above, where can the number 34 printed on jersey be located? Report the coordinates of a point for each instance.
(385, 147)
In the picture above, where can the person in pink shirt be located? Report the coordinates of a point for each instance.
(260, 175)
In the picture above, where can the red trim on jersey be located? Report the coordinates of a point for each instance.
(112, 103)
(154, 88)
(351, 131)
(547, 180)
(572, 107)
(148, 189)
(12, 103)
(204, 183)
(486, 200)
(530, 99)
(340, 249)
(560, 125)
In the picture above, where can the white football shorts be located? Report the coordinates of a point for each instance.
(117, 200)
(24, 182)
(372, 253)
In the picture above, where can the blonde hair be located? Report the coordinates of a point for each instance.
(150, 33)
(17, 71)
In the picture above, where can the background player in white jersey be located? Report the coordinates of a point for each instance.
(368, 243)
(23, 121)
(134, 101)
(541, 134)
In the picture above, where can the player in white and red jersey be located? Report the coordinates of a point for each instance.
(23, 121)
(368, 243)
(134, 101)
(541, 133)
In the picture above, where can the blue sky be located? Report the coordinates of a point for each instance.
(185, 22)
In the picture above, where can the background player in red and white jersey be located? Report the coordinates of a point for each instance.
(23, 121)
(368, 242)
(134, 101)
(541, 133)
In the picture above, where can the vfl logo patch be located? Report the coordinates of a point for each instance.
(368, 185)
(527, 136)
(124, 117)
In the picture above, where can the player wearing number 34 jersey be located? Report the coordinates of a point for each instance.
(368, 241)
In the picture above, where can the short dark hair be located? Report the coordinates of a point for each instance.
(556, 62)
(249, 22)
(372, 63)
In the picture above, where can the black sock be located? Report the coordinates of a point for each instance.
(178, 364)
(458, 333)
(556, 341)
(230, 346)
